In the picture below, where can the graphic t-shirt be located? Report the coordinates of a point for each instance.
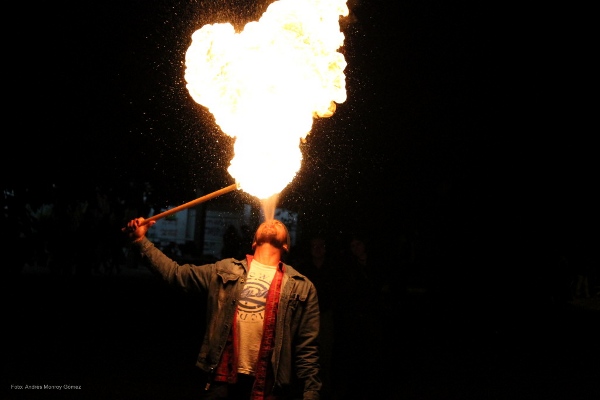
(251, 314)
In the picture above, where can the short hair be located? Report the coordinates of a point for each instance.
(288, 239)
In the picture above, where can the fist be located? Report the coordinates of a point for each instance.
(136, 228)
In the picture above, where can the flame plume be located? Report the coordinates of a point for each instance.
(265, 84)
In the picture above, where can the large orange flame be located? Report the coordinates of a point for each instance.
(265, 84)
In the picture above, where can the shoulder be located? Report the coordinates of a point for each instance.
(231, 265)
(293, 273)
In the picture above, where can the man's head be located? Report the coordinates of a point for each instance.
(273, 232)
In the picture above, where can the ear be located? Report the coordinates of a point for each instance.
(254, 245)
(286, 248)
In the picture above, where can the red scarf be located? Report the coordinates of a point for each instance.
(227, 368)
(264, 372)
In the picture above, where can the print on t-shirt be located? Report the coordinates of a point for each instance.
(254, 296)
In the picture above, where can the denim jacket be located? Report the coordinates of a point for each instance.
(297, 325)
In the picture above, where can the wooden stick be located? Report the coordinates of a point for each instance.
(192, 203)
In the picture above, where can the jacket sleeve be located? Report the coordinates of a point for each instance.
(190, 278)
(306, 347)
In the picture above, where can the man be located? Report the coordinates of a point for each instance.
(262, 317)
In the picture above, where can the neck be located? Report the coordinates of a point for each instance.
(267, 254)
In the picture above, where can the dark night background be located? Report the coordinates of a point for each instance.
(445, 139)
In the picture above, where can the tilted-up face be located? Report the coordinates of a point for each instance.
(273, 232)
